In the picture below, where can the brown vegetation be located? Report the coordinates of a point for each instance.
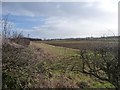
(82, 44)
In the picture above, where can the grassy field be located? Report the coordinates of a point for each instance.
(81, 44)
(53, 50)
(60, 66)
(50, 64)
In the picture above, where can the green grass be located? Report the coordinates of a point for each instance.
(63, 60)
(56, 50)
(44, 65)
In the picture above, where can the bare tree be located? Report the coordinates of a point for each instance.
(8, 34)
(6, 29)
(103, 63)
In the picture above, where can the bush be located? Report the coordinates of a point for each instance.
(83, 85)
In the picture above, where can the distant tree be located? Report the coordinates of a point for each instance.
(28, 35)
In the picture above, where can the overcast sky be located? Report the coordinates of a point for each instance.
(64, 19)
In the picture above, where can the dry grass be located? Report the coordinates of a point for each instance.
(81, 45)
(41, 65)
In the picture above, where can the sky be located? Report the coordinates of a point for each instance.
(48, 20)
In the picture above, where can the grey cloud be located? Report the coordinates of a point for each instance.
(63, 19)
(64, 9)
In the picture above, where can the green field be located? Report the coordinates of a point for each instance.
(52, 64)
(61, 64)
